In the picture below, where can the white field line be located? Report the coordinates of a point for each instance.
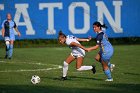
(31, 70)
(27, 63)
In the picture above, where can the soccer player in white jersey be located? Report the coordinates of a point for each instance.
(78, 53)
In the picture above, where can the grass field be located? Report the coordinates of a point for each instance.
(15, 74)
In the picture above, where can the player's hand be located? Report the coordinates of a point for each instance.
(87, 50)
(89, 38)
(19, 34)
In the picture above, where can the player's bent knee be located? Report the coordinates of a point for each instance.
(105, 68)
(97, 59)
(7, 42)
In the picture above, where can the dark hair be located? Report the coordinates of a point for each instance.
(99, 25)
(61, 34)
(8, 14)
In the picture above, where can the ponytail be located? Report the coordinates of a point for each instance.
(61, 34)
(99, 25)
(104, 26)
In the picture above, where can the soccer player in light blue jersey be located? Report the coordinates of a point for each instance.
(8, 27)
(106, 50)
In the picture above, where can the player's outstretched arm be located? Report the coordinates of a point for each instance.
(92, 48)
(84, 40)
(77, 45)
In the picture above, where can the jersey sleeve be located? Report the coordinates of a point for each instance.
(99, 39)
(3, 24)
(15, 25)
(70, 39)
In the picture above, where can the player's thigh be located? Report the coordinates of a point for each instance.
(79, 62)
(12, 38)
(69, 59)
(97, 57)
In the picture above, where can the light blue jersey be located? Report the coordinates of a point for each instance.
(106, 49)
(9, 29)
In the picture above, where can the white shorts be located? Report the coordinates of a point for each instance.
(78, 53)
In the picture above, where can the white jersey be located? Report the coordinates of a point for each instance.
(76, 51)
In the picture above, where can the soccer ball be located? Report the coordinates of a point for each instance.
(35, 79)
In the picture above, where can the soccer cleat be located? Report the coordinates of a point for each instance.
(6, 56)
(63, 78)
(93, 69)
(109, 79)
(112, 67)
(9, 58)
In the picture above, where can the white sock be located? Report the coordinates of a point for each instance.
(65, 69)
(85, 68)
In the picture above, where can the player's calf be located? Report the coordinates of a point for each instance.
(65, 69)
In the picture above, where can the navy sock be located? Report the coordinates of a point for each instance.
(7, 49)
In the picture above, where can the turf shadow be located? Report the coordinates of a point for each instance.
(137, 74)
(73, 78)
(77, 77)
